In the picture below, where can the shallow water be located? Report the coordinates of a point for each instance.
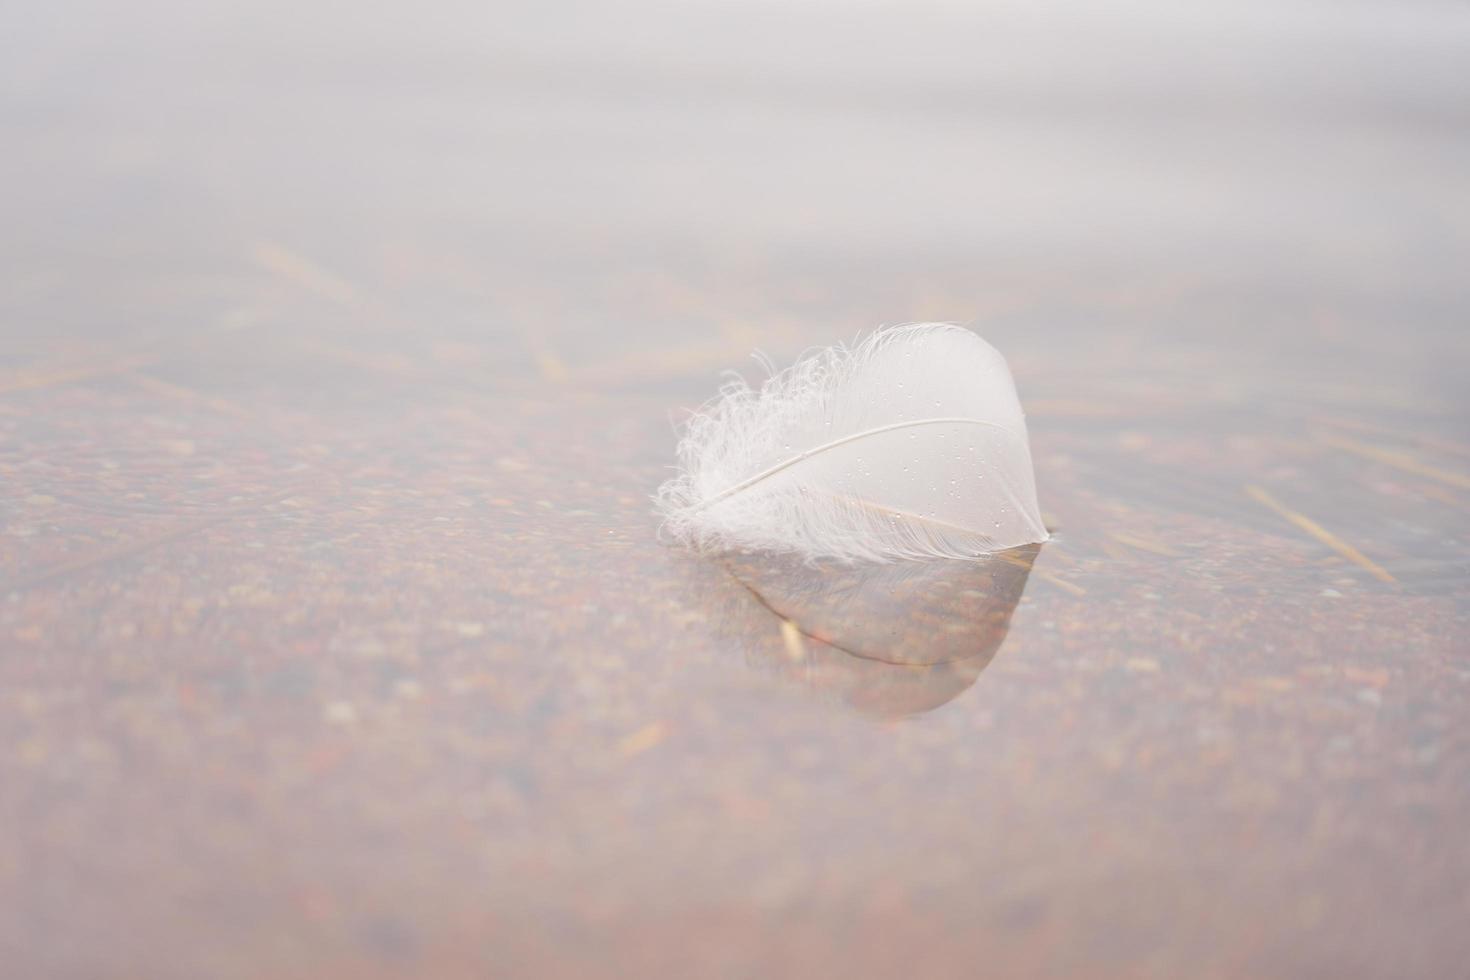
(339, 358)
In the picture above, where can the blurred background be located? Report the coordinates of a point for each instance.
(749, 156)
(341, 346)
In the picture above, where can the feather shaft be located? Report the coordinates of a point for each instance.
(809, 453)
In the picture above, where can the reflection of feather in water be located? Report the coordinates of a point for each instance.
(910, 445)
(889, 640)
(872, 687)
(908, 613)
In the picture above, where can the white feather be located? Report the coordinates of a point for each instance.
(910, 445)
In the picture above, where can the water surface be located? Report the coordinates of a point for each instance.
(340, 354)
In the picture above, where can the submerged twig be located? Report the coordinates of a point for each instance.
(1320, 533)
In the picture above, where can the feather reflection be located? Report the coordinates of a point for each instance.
(891, 640)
